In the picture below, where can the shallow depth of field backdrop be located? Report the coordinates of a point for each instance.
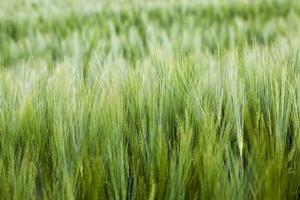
(149, 99)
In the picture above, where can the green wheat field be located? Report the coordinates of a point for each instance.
(149, 99)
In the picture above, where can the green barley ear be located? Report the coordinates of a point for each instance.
(152, 186)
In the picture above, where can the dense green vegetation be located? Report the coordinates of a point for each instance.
(149, 100)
